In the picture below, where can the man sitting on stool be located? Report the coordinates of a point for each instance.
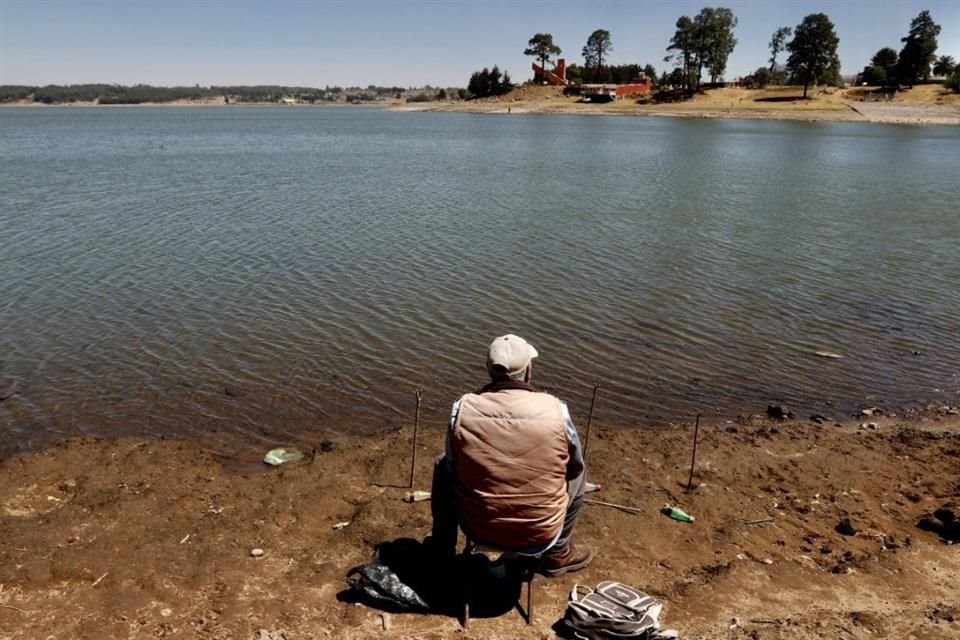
(513, 473)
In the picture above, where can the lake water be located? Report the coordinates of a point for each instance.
(254, 276)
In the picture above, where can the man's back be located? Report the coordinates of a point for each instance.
(511, 452)
(513, 473)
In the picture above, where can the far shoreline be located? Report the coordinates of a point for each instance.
(724, 104)
(927, 105)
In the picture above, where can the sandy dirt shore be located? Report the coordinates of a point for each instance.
(136, 538)
(929, 104)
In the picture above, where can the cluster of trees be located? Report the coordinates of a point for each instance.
(813, 56)
(884, 68)
(953, 82)
(15, 92)
(599, 45)
(615, 73)
(272, 93)
(919, 49)
(489, 82)
(702, 42)
(813, 52)
(778, 44)
(105, 93)
(595, 53)
(946, 67)
(427, 96)
(141, 93)
(915, 61)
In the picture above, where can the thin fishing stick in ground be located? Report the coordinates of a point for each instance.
(693, 461)
(416, 428)
(622, 507)
(10, 606)
(586, 435)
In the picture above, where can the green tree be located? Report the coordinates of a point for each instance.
(506, 84)
(701, 37)
(882, 69)
(650, 72)
(678, 78)
(953, 82)
(719, 42)
(12, 92)
(778, 43)
(489, 82)
(887, 59)
(479, 87)
(831, 75)
(574, 74)
(705, 41)
(813, 50)
(944, 66)
(762, 77)
(874, 75)
(598, 46)
(919, 49)
(494, 80)
(620, 73)
(541, 47)
(683, 44)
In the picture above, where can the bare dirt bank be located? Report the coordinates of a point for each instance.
(928, 104)
(146, 538)
(922, 105)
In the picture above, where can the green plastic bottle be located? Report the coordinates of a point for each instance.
(676, 513)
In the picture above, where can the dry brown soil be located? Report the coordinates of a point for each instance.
(137, 538)
(927, 104)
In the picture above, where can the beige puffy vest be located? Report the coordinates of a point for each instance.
(511, 456)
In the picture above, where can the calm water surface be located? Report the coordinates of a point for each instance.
(253, 276)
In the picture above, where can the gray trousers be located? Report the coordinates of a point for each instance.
(443, 505)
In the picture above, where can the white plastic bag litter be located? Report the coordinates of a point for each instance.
(281, 455)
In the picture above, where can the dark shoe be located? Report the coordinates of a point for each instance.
(570, 558)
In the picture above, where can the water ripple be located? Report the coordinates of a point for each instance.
(264, 276)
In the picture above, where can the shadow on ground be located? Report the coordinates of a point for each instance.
(404, 577)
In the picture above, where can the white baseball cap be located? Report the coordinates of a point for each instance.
(511, 352)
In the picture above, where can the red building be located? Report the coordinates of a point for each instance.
(607, 92)
(556, 77)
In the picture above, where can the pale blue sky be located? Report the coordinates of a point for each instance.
(398, 42)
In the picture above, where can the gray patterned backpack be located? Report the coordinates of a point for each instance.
(612, 610)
